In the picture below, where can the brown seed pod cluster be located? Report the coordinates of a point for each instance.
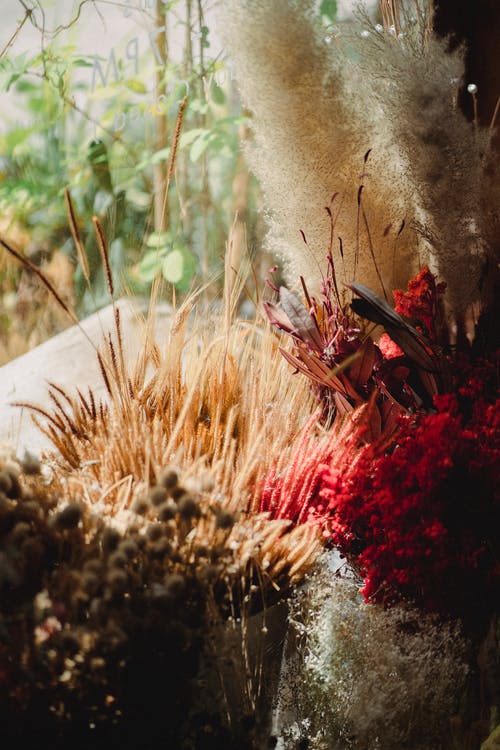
(107, 632)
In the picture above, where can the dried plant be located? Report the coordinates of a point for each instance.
(366, 677)
(94, 641)
(428, 191)
(212, 406)
(334, 349)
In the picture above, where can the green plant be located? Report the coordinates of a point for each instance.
(114, 153)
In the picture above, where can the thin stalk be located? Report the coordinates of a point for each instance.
(160, 203)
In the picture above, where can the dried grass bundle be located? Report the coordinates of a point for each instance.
(218, 407)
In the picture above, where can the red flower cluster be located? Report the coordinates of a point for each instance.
(416, 511)
(421, 302)
(421, 522)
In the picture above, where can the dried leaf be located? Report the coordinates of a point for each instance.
(277, 317)
(372, 307)
(304, 326)
(362, 368)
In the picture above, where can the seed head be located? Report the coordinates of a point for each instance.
(157, 495)
(167, 510)
(128, 548)
(225, 519)
(140, 506)
(117, 560)
(161, 547)
(175, 584)
(30, 464)
(69, 517)
(110, 540)
(154, 532)
(117, 580)
(90, 582)
(5, 482)
(188, 507)
(20, 531)
(168, 479)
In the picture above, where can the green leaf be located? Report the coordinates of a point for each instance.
(12, 79)
(27, 87)
(328, 8)
(200, 145)
(139, 198)
(102, 201)
(150, 265)
(161, 155)
(172, 267)
(135, 85)
(189, 136)
(158, 240)
(218, 95)
(178, 268)
(81, 62)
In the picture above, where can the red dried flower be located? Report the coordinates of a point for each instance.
(421, 301)
(421, 522)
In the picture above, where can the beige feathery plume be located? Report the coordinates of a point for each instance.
(321, 104)
(311, 137)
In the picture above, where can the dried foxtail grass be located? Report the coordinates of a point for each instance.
(428, 192)
(217, 402)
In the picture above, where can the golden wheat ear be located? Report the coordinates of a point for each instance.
(28, 265)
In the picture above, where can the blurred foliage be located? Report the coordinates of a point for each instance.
(106, 149)
(93, 124)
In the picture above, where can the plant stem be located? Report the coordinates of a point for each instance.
(160, 204)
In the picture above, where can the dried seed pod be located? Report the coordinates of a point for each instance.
(175, 584)
(94, 565)
(161, 547)
(225, 519)
(154, 532)
(117, 580)
(117, 560)
(209, 573)
(140, 506)
(5, 482)
(20, 531)
(110, 540)
(30, 464)
(157, 495)
(69, 517)
(90, 582)
(129, 548)
(12, 471)
(167, 510)
(188, 507)
(168, 479)
(178, 492)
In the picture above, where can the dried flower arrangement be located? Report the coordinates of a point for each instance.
(144, 571)
(321, 99)
(412, 505)
(363, 676)
(153, 561)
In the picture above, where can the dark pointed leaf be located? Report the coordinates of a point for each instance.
(304, 325)
(429, 382)
(300, 366)
(412, 347)
(342, 404)
(374, 308)
(324, 374)
(362, 368)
